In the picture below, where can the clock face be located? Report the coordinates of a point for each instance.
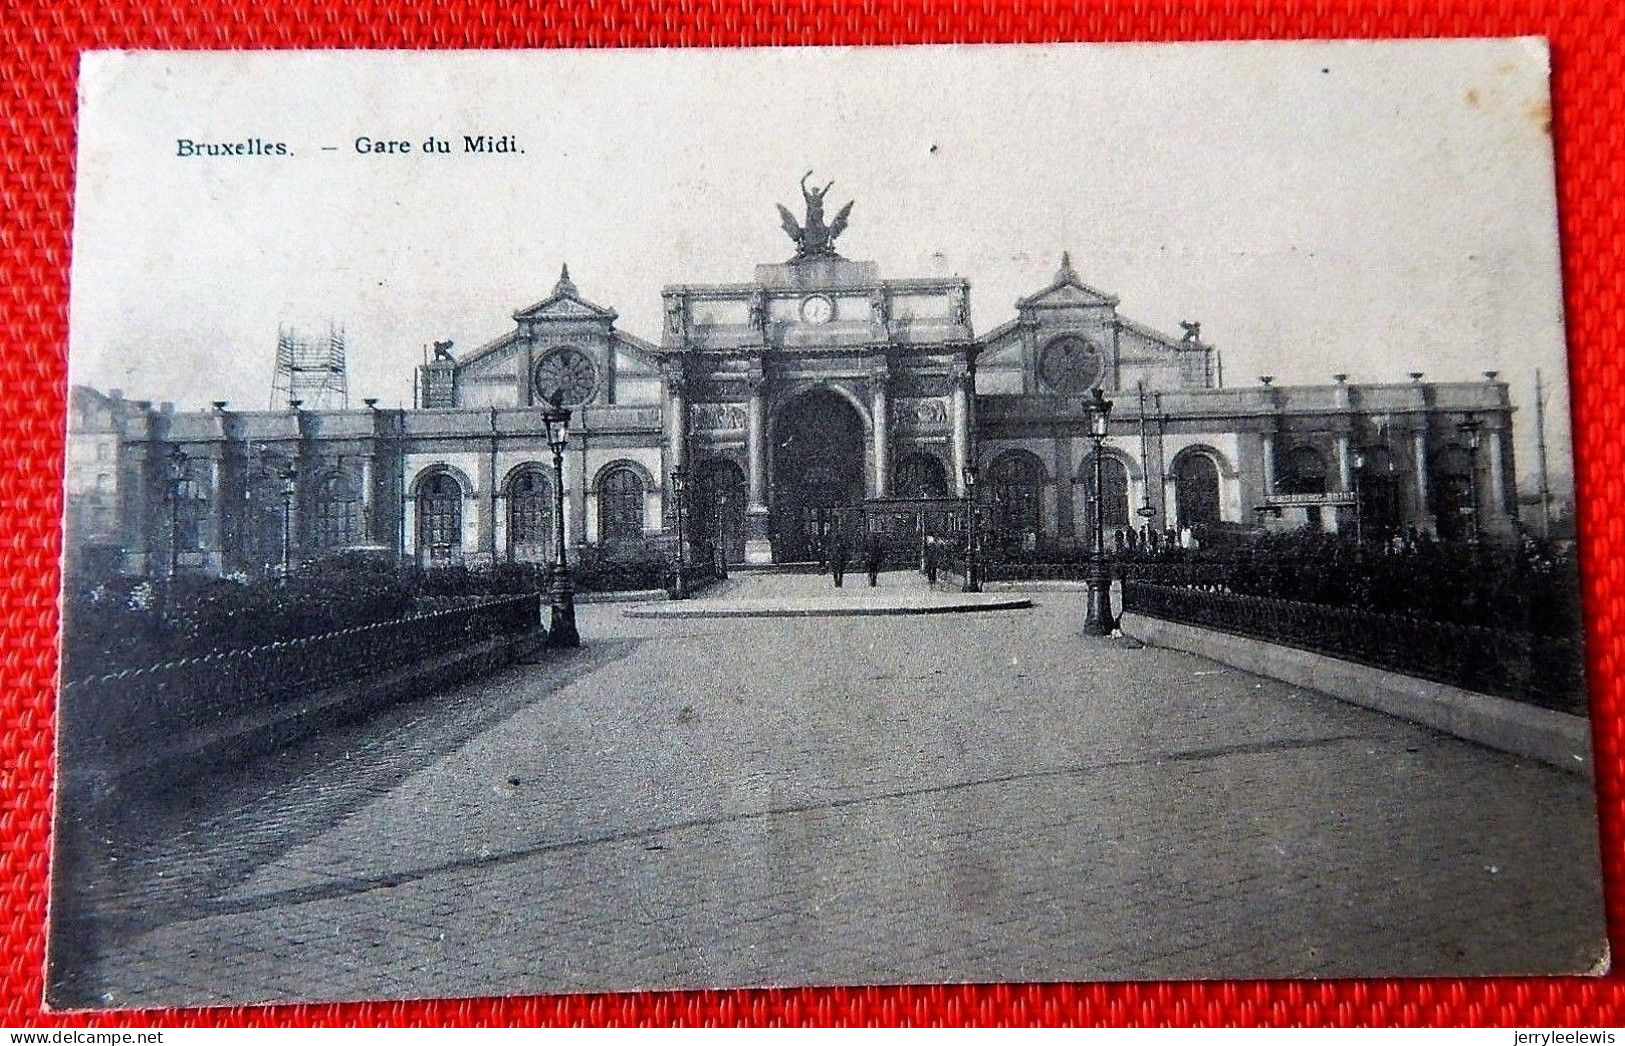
(818, 308)
(1071, 363)
(565, 377)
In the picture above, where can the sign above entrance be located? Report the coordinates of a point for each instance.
(1302, 500)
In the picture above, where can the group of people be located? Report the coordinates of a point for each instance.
(1150, 540)
(836, 555)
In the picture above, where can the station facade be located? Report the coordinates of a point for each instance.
(817, 384)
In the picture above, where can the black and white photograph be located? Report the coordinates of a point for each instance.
(583, 521)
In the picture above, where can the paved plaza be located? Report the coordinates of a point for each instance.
(985, 796)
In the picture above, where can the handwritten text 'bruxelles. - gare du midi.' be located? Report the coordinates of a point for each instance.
(433, 145)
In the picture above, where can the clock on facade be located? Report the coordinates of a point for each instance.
(1071, 363)
(818, 308)
(566, 377)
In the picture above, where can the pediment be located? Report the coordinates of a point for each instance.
(1069, 294)
(564, 307)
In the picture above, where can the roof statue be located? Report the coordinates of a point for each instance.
(814, 239)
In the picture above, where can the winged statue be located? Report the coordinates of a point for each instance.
(814, 238)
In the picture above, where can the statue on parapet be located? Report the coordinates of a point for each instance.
(813, 238)
(442, 351)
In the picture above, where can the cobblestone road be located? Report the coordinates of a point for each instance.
(845, 800)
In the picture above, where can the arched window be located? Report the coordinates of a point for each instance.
(440, 516)
(920, 476)
(1015, 496)
(620, 505)
(1114, 494)
(530, 516)
(1196, 490)
(1305, 472)
(337, 519)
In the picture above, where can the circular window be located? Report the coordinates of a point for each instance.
(565, 377)
(1071, 363)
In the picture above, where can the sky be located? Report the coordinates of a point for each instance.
(1356, 207)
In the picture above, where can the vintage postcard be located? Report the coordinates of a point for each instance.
(592, 521)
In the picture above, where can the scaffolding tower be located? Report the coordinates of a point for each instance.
(310, 370)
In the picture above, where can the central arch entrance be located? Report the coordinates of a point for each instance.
(817, 467)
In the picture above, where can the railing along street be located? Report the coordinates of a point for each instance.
(1544, 670)
(140, 706)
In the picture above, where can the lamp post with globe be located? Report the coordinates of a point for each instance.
(679, 494)
(973, 580)
(1098, 617)
(561, 632)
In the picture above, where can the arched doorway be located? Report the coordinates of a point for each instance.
(1378, 477)
(817, 467)
(1113, 500)
(1306, 473)
(722, 507)
(1453, 493)
(1015, 496)
(1196, 490)
(920, 475)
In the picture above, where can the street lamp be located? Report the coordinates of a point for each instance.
(679, 491)
(179, 471)
(1359, 506)
(1472, 429)
(561, 631)
(1098, 617)
(972, 581)
(289, 474)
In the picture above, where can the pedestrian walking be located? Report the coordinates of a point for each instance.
(875, 553)
(838, 555)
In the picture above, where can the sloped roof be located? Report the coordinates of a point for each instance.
(1161, 338)
(637, 348)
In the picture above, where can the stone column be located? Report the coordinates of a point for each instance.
(488, 503)
(1268, 440)
(576, 533)
(960, 413)
(758, 546)
(676, 421)
(1498, 493)
(136, 508)
(1345, 464)
(1419, 449)
(756, 448)
(294, 518)
(882, 434)
(368, 497)
(215, 540)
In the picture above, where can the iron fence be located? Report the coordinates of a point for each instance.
(141, 706)
(1544, 670)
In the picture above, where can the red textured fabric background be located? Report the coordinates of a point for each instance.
(41, 44)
